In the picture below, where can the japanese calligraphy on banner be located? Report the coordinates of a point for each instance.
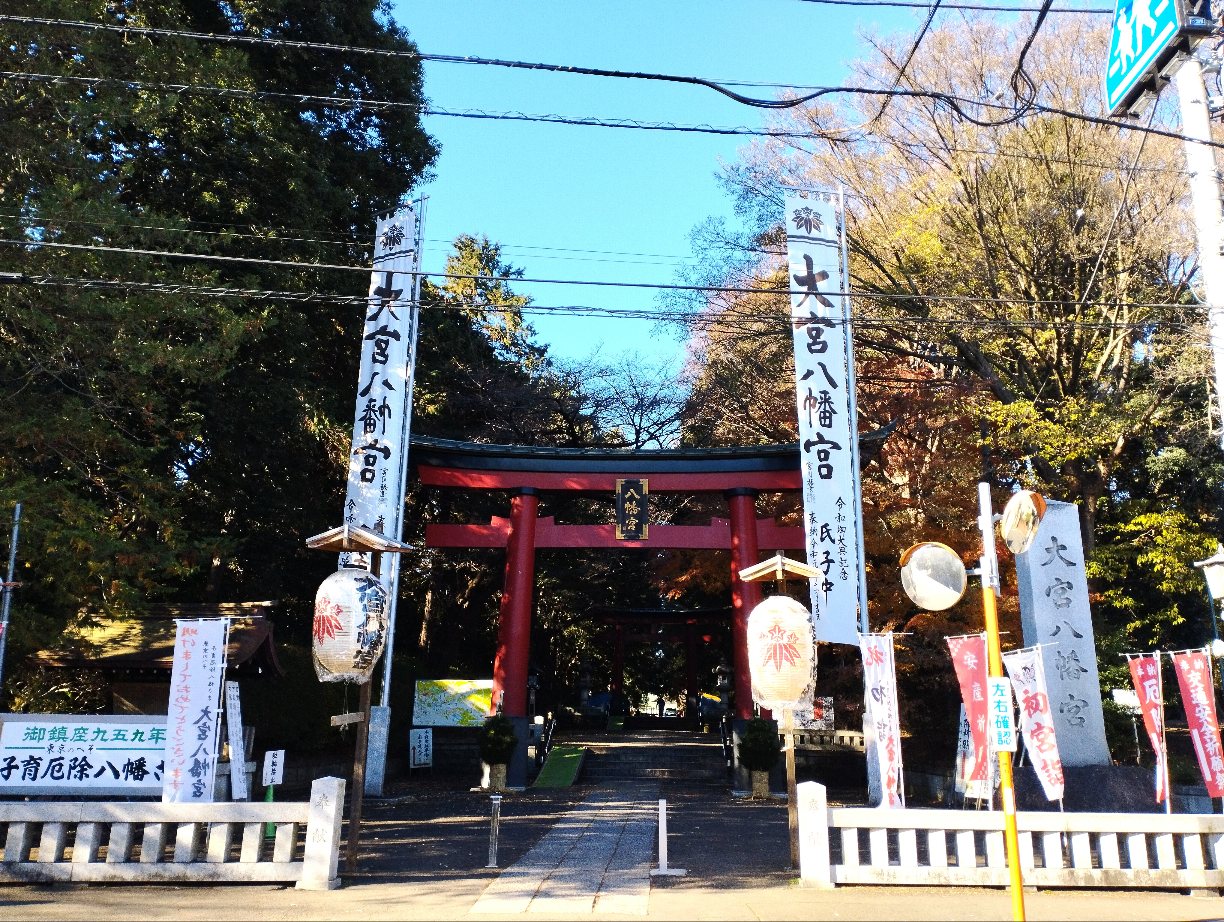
(233, 727)
(969, 661)
(824, 395)
(966, 765)
(880, 677)
(1145, 674)
(1026, 667)
(1054, 610)
(1001, 708)
(43, 754)
(193, 724)
(379, 455)
(1194, 676)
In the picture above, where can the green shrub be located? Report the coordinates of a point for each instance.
(497, 740)
(759, 746)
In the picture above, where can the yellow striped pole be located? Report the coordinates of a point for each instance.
(994, 657)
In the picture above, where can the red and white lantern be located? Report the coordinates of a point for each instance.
(350, 625)
(780, 651)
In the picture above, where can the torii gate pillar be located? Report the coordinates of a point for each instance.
(744, 596)
(513, 656)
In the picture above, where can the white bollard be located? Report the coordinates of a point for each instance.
(494, 823)
(663, 870)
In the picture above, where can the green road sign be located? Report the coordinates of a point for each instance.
(1143, 32)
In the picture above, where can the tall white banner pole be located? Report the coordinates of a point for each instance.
(378, 462)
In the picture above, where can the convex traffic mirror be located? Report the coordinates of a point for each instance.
(933, 576)
(1020, 520)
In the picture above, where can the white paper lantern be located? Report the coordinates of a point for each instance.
(780, 651)
(350, 625)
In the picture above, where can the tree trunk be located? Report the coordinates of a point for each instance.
(760, 784)
(427, 616)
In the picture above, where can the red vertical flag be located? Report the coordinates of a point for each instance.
(969, 660)
(1145, 673)
(1198, 696)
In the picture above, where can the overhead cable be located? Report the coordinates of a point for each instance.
(980, 7)
(855, 294)
(957, 104)
(786, 103)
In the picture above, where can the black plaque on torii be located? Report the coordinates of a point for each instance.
(632, 512)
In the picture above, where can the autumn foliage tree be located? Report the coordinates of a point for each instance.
(1023, 306)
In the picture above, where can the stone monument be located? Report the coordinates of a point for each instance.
(1054, 612)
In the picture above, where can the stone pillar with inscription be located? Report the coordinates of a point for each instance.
(1054, 611)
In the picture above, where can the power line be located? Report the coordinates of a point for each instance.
(211, 257)
(1020, 77)
(43, 218)
(950, 100)
(934, 8)
(378, 105)
(980, 7)
(722, 88)
(662, 313)
(956, 104)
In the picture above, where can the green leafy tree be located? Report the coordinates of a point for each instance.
(168, 441)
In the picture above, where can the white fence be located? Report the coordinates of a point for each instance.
(155, 842)
(858, 845)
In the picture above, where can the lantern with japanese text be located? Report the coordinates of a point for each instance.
(780, 652)
(350, 625)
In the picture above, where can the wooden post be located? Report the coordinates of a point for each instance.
(358, 790)
(792, 803)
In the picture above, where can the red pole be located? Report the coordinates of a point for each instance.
(744, 596)
(514, 621)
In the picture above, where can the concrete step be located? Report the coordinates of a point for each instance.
(674, 756)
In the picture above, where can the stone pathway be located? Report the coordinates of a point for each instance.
(596, 858)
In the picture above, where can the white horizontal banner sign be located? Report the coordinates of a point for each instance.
(78, 755)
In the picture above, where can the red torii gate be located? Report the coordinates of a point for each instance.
(526, 472)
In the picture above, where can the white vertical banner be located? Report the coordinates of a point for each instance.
(824, 396)
(233, 728)
(880, 678)
(1026, 667)
(382, 420)
(193, 720)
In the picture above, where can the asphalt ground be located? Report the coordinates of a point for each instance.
(425, 847)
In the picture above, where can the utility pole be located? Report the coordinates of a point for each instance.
(1205, 197)
(9, 586)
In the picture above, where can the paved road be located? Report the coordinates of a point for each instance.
(578, 853)
(596, 858)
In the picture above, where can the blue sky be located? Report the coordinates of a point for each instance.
(548, 192)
